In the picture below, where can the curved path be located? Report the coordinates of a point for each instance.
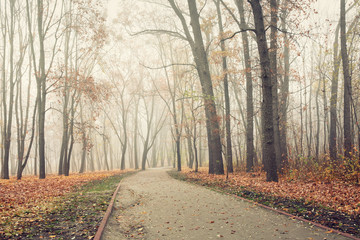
(152, 205)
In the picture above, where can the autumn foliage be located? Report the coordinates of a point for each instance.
(336, 195)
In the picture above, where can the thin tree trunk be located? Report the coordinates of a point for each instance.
(41, 90)
(284, 91)
(67, 160)
(136, 160)
(8, 113)
(226, 93)
(84, 141)
(317, 138)
(249, 91)
(310, 124)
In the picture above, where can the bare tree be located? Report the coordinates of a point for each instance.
(249, 90)
(228, 152)
(152, 130)
(202, 66)
(8, 101)
(45, 22)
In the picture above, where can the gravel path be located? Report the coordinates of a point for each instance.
(152, 205)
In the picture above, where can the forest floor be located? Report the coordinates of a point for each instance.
(57, 207)
(153, 205)
(333, 204)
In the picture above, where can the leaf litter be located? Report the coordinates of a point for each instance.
(335, 204)
(56, 207)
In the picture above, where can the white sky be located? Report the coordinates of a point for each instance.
(327, 8)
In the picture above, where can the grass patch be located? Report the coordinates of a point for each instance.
(76, 215)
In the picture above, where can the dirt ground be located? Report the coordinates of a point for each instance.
(152, 205)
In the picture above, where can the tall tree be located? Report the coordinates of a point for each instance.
(172, 90)
(274, 77)
(136, 114)
(45, 21)
(84, 139)
(152, 129)
(66, 91)
(22, 106)
(347, 82)
(333, 98)
(8, 101)
(284, 90)
(202, 66)
(228, 152)
(269, 156)
(249, 90)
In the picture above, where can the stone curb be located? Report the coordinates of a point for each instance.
(282, 212)
(101, 228)
(297, 218)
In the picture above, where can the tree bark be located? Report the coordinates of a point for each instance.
(228, 157)
(8, 113)
(348, 145)
(41, 90)
(136, 160)
(84, 141)
(284, 91)
(274, 78)
(269, 156)
(212, 120)
(249, 91)
(202, 66)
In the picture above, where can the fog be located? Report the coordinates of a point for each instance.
(101, 85)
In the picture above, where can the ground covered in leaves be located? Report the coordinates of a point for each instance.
(333, 204)
(56, 207)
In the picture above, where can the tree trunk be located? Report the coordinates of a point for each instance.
(144, 155)
(348, 145)
(3, 85)
(154, 161)
(65, 114)
(67, 159)
(136, 160)
(195, 148)
(124, 147)
(269, 156)
(41, 90)
(23, 131)
(202, 66)
(310, 125)
(8, 115)
(212, 121)
(190, 149)
(249, 91)
(84, 141)
(317, 139)
(274, 78)
(284, 91)
(226, 92)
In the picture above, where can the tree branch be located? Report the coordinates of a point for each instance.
(169, 65)
(160, 31)
(237, 32)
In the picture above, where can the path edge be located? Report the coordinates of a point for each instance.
(348, 235)
(101, 228)
(331, 230)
